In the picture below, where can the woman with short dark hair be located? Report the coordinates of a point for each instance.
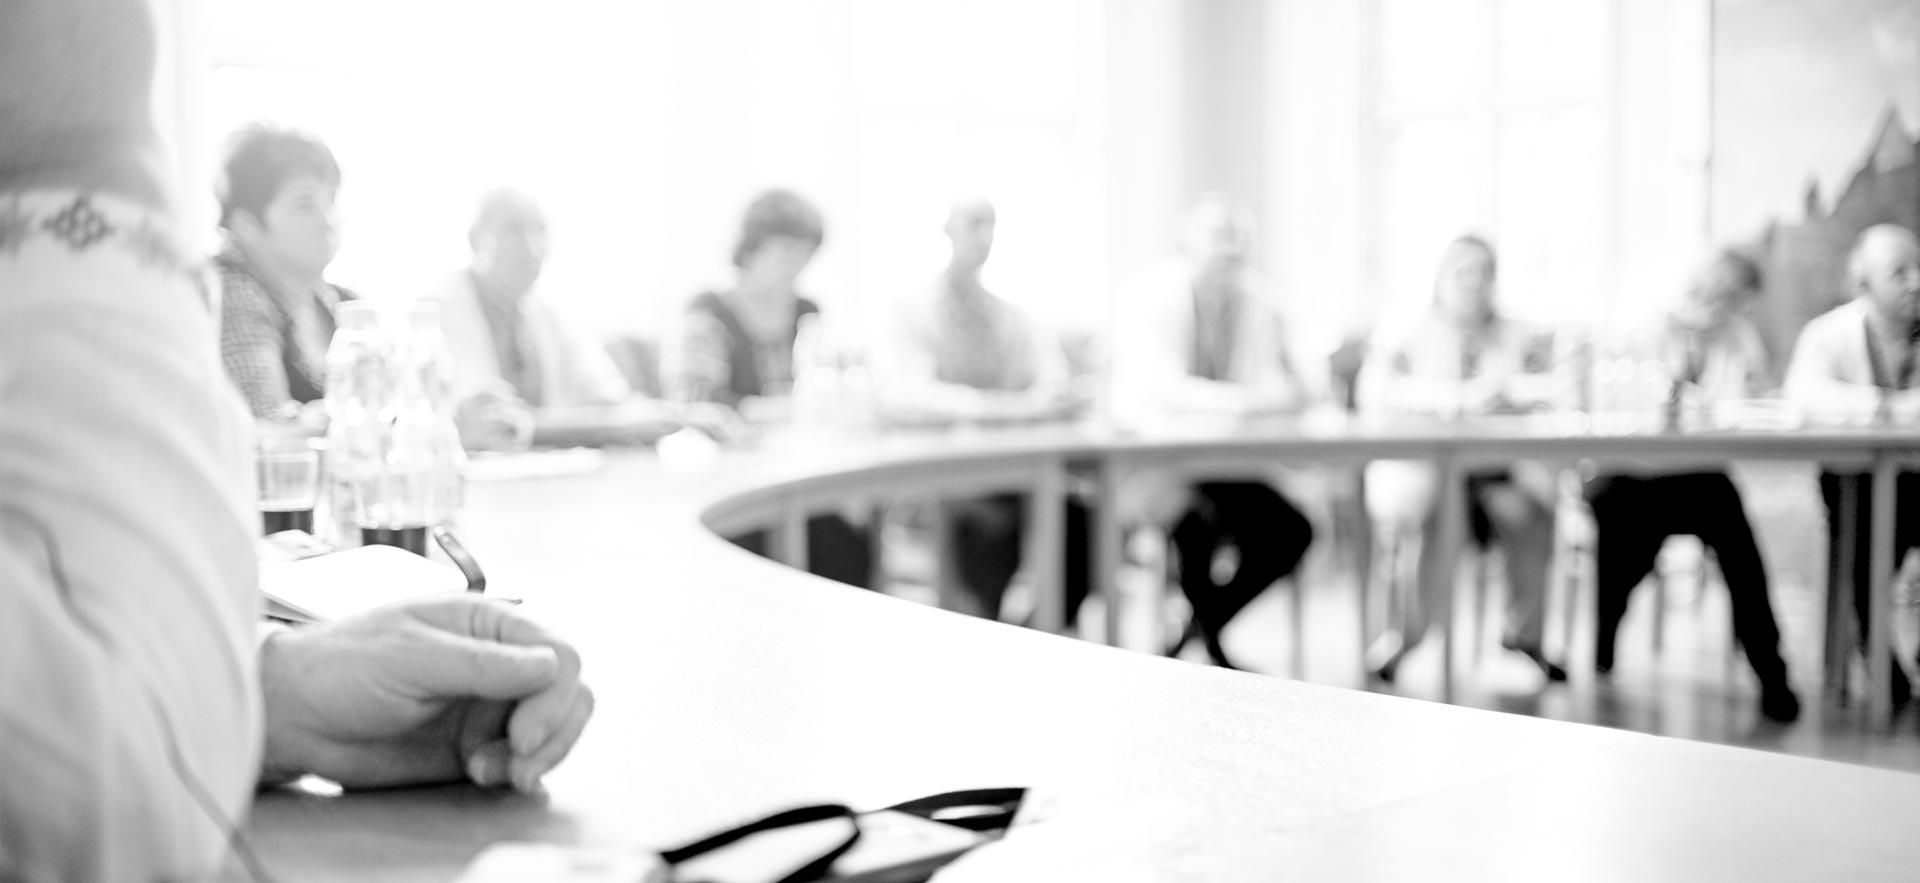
(735, 349)
(277, 193)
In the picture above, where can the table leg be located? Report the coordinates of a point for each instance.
(1880, 565)
(1046, 543)
(946, 590)
(1452, 536)
(1106, 542)
(791, 548)
(1842, 636)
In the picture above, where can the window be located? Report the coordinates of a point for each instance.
(1496, 117)
(645, 127)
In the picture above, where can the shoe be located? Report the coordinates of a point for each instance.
(1553, 671)
(1186, 637)
(1216, 653)
(1778, 704)
(1388, 649)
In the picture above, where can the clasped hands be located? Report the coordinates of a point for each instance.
(424, 691)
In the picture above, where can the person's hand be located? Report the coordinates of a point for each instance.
(494, 419)
(716, 420)
(765, 410)
(429, 690)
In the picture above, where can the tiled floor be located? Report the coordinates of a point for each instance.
(1693, 688)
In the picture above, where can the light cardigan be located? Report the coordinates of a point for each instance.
(574, 369)
(1152, 384)
(1831, 373)
(1153, 346)
(127, 582)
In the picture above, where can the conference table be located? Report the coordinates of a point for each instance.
(732, 685)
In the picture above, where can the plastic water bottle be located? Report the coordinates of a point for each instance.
(428, 360)
(359, 403)
(816, 378)
(425, 464)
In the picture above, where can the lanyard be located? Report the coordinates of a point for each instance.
(1908, 365)
(980, 809)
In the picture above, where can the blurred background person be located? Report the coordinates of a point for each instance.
(522, 372)
(1714, 354)
(1200, 336)
(1860, 362)
(1458, 358)
(958, 352)
(277, 191)
(735, 348)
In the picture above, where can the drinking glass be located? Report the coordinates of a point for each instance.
(287, 475)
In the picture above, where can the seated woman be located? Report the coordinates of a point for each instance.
(1712, 349)
(958, 352)
(735, 349)
(276, 192)
(1458, 359)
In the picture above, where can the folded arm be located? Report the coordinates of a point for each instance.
(130, 734)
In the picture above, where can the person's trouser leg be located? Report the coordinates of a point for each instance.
(1270, 534)
(1716, 515)
(1196, 537)
(1079, 552)
(839, 551)
(984, 550)
(1524, 528)
(1626, 544)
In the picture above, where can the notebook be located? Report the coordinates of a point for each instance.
(305, 581)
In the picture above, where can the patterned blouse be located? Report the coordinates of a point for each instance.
(718, 360)
(273, 342)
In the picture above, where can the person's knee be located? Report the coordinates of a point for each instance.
(1515, 512)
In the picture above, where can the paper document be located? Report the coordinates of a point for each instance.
(336, 584)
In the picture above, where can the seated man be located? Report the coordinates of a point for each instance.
(277, 194)
(1200, 337)
(522, 373)
(142, 711)
(1712, 348)
(958, 352)
(1858, 362)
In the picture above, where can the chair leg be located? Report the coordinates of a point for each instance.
(1573, 564)
(1388, 570)
(1659, 611)
(1298, 663)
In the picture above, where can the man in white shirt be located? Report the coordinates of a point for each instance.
(138, 709)
(523, 372)
(1200, 338)
(957, 352)
(1860, 362)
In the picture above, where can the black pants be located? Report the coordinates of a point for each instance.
(1635, 514)
(1270, 535)
(836, 549)
(986, 549)
(1906, 533)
